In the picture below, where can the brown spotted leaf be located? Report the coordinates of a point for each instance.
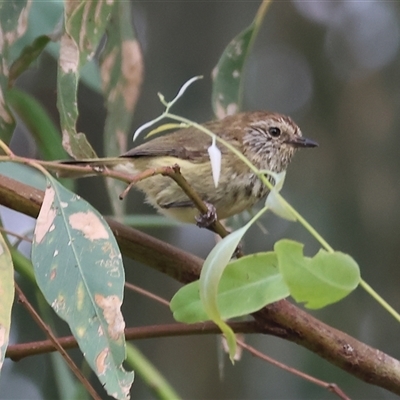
(228, 74)
(85, 24)
(78, 267)
(121, 67)
(13, 24)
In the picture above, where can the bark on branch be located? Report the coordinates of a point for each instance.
(289, 322)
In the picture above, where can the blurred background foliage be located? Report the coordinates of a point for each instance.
(334, 67)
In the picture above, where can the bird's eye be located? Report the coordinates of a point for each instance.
(274, 131)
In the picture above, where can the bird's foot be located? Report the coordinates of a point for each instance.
(238, 251)
(208, 218)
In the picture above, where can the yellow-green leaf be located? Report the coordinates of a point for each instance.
(318, 281)
(247, 285)
(7, 296)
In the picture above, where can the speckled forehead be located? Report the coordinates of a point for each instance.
(283, 122)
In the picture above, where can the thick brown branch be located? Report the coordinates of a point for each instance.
(368, 364)
(290, 322)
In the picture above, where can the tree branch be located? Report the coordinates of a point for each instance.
(288, 321)
(19, 351)
(56, 344)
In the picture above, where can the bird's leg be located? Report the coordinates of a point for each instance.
(204, 220)
(238, 251)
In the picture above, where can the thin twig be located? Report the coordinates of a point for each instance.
(171, 171)
(16, 235)
(146, 293)
(56, 343)
(18, 351)
(332, 387)
(175, 173)
(147, 173)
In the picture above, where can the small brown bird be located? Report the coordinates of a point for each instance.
(268, 140)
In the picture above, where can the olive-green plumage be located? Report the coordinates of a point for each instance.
(268, 140)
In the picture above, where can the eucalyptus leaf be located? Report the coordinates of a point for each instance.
(274, 201)
(228, 74)
(39, 124)
(22, 173)
(43, 18)
(210, 276)
(78, 267)
(318, 281)
(84, 25)
(29, 54)
(247, 285)
(13, 24)
(121, 66)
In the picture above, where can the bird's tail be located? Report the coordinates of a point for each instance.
(93, 167)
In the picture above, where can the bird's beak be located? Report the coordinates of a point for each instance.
(302, 142)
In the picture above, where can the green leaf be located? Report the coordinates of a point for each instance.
(150, 376)
(13, 20)
(228, 74)
(274, 201)
(43, 19)
(39, 124)
(73, 142)
(211, 273)
(13, 23)
(122, 74)
(24, 174)
(121, 67)
(90, 76)
(29, 54)
(78, 268)
(7, 296)
(324, 279)
(84, 25)
(42, 128)
(247, 285)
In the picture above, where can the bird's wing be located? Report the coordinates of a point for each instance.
(188, 144)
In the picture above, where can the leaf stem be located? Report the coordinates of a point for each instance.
(380, 300)
(307, 226)
(6, 149)
(262, 10)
